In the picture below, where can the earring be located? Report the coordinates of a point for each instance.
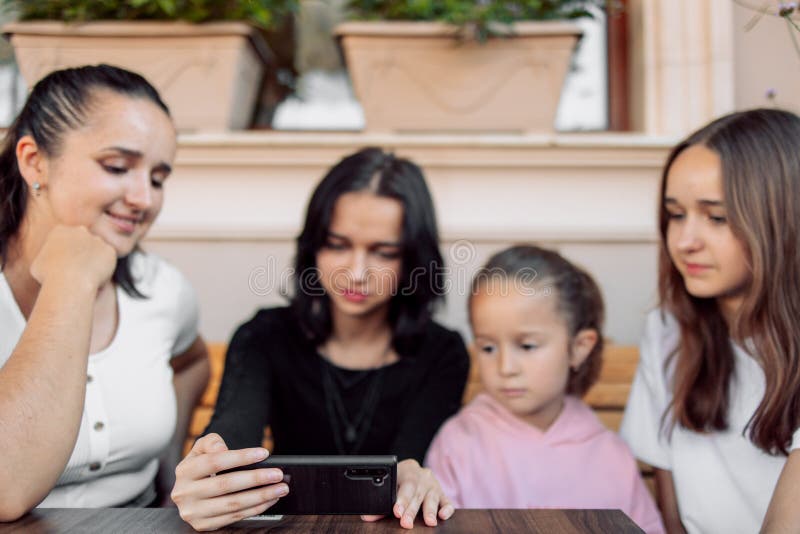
(37, 188)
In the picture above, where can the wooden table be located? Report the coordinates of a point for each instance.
(158, 520)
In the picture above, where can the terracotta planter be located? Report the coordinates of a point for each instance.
(208, 74)
(418, 77)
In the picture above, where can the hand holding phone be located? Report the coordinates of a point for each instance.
(341, 484)
(208, 500)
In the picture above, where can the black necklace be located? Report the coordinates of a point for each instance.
(350, 435)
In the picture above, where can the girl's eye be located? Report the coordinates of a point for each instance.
(388, 255)
(718, 219)
(335, 246)
(157, 178)
(487, 349)
(528, 346)
(674, 216)
(113, 169)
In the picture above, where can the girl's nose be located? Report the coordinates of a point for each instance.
(689, 238)
(506, 363)
(358, 265)
(140, 192)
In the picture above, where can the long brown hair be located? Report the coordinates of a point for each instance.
(761, 186)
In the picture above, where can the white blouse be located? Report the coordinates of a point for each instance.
(130, 409)
(723, 482)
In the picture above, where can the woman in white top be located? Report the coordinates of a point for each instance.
(715, 405)
(91, 329)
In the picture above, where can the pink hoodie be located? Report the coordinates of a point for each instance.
(485, 457)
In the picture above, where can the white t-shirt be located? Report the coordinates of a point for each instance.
(130, 408)
(722, 480)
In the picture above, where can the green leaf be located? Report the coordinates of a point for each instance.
(475, 17)
(264, 13)
(169, 7)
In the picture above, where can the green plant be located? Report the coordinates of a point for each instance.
(481, 18)
(263, 13)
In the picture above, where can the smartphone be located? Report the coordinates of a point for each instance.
(342, 484)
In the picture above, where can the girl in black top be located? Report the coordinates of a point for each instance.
(355, 364)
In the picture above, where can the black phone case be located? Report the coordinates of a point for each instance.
(334, 484)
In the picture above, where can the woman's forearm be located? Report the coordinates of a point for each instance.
(42, 391)
(668, 502)
(783, 514)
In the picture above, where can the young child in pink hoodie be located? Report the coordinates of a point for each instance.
(529, 441)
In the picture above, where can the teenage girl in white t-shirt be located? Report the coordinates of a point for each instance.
(715, 405)
(91, 329)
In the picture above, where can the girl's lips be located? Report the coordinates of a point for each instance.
(126, 225)
(354, 296)
(696, 268)
(513, 392)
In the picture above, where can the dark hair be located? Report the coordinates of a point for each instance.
(385, 175)
(579, 299)
(58, 103)
(761, 186)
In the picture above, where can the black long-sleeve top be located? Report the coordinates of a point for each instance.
(275, 376)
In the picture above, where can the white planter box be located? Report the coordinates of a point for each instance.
(418, 77)
(208, 74)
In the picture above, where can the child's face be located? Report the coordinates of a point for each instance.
(522, 345)
(712, 261)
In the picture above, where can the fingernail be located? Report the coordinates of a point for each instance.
(400, 510)
(283, 490)
(257, 454)
(218, 446)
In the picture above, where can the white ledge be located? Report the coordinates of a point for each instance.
(267, 233)
(346, 138)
